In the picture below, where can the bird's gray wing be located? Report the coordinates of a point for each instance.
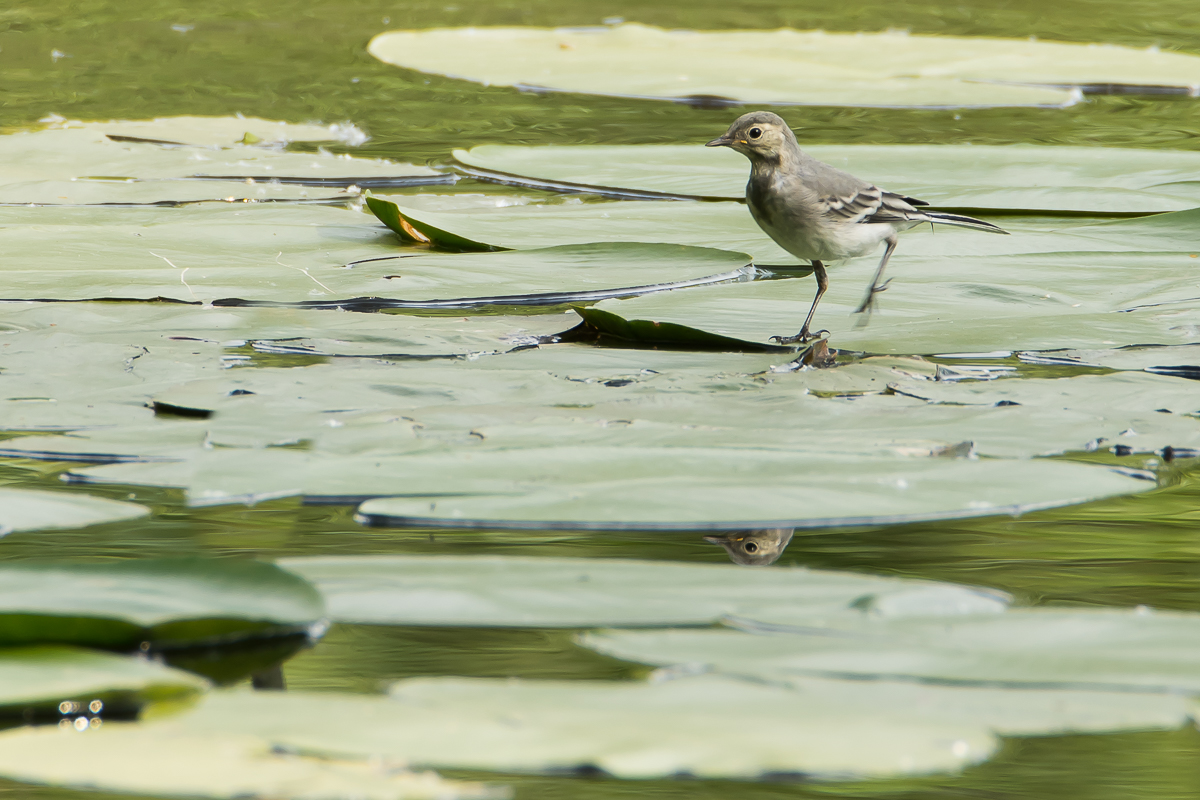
(869, 204)
(844, 198)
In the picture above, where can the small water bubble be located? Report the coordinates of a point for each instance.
(68, 707)
(81, 723)
(96, 706)
(56, 54)
(64, 723)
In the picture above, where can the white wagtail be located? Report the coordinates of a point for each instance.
(819, 213)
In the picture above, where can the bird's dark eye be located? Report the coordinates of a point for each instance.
(754, 133)
(751, 547)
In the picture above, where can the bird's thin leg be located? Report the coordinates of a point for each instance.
(869, 301)
(822, 285)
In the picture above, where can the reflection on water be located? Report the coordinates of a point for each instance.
(756, 548)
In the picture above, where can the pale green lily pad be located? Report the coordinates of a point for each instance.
(30, 510)
(1109, 650)
(36, 680)
(1055, 180)
(159, 161)
(746, 489)
(628, 730)
(775, 67)
(120, 604)
(511, 591)
(304, 255)
(159, 761)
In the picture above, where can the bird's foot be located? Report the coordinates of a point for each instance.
(803, 337)
(868, 303)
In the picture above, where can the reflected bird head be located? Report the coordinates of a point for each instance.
(757, 135)
(756, 548)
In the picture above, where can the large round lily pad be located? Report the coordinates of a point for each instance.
(777, 67)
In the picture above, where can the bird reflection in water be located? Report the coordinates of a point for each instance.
(755, 548)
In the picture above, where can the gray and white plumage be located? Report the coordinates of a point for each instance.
(820, 213)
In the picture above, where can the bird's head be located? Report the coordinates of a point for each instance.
(757, 135)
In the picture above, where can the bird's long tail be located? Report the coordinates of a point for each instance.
(963, 222)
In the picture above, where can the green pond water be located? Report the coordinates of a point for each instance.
(306, 61)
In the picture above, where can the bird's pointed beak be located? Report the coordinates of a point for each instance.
(714, 539)
(720, 141)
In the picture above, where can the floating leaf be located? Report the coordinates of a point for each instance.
(119, 604)
(186, 159)
(64, 682)
(29, 510)
(1054, 180)
(1108, 650)
(774, 67)
(158, 760)
(510, 591)
(626, 729)
(213, 255)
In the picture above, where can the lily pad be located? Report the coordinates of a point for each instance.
(187, 159)
(1053, 180)
(166, 602)
(510, 591)
(775, 67)
(48, 682)
(320, 258)
(1108, 650)
(30, 510)
(159, 761)
(625, 729)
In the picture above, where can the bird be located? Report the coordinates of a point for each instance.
(819, 213)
